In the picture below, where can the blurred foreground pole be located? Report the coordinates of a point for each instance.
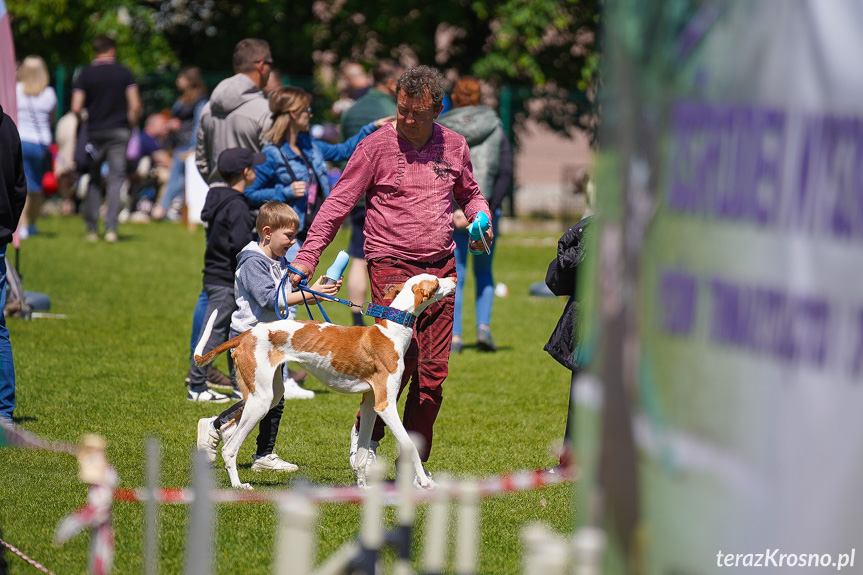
(202, 519)
(151, 508)
(295, 540)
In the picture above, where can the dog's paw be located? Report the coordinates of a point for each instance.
(245, 487)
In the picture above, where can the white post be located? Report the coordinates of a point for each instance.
(588, 546)
(151, 509)
(202, 519)
(467, 538)
(544, 553)
(405, 514)
(434, 552)
(295, 539)
(372, 533)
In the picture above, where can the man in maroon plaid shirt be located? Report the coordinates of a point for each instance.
(409, 172)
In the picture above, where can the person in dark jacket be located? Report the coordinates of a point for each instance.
(13, 194)
(230, 227)
(561, 279)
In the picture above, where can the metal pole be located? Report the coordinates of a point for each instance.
(202, 519)
(151, 509)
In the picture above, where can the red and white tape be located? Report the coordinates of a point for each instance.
(16, 436)
(489, 487)
(18, 552)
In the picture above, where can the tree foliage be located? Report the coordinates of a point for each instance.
(62, 31)
(545, 48)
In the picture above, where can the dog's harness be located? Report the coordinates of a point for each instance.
(372, 310)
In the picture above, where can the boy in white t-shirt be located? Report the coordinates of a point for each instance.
(260, 267)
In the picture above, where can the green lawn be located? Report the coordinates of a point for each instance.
(116, 364)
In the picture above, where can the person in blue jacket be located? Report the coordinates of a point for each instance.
(296, 168)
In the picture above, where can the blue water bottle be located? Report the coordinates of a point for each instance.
(335, 272)
(476, 230)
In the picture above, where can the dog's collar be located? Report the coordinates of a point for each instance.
(391, 314)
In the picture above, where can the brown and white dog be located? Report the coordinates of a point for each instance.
(367, 360)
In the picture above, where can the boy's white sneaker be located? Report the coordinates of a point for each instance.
(294, 391)
(207, 395)
(208, 437)
(272, 462)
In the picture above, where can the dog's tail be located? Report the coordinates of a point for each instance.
(201, 360)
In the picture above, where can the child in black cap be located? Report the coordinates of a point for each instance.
(230, 226)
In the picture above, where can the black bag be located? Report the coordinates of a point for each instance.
(83, 147)
(312, 208)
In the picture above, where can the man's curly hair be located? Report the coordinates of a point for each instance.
(420, 80)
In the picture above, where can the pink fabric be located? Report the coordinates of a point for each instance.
(7, 66)
(409, 196)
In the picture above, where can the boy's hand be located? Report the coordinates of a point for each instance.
(329, 289)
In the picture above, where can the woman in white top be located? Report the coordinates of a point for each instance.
(37, 106)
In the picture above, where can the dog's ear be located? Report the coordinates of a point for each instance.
(394, 291)
(424, 291)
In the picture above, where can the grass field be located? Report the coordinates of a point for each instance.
(115, 366)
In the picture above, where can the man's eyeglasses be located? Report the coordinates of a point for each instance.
(267, 62)
(309, 110)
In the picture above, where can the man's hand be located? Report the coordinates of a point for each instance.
(476, 245)
(296, 278)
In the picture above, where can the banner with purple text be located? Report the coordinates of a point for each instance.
(729, 299)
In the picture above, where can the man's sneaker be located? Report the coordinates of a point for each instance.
(208, 437)
(352, 455)
(217, 379)
(484, 340)
(207, 395)
(294, 391)
(235, 394)
(272, 462)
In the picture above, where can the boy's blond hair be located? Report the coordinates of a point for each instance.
(276, 215)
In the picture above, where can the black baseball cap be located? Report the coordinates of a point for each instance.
(233, 161)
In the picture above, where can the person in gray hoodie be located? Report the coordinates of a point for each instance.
(491, 157)
(238, 112)
(235, 117)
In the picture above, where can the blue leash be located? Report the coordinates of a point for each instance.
(304, 287)
(371, 309)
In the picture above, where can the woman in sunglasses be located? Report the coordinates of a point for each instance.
(296, 171)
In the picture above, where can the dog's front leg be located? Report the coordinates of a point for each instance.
(364, 436)
(406, 447)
